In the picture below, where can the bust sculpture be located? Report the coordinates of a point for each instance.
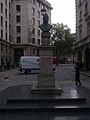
(45, 27)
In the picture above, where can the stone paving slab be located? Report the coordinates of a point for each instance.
(83, 90)
(22, 92)
(42, 116)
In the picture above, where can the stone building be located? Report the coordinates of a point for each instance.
(82, 44)
(5, 45)
(19, 29)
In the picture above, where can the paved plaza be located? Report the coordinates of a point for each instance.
(14, 84)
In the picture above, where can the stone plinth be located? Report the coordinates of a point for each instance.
(46, 77)
(46, 89)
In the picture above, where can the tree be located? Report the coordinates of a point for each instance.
(62, 39)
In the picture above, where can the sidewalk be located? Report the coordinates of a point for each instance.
(6, 72)
(86, 73)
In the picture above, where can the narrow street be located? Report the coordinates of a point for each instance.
(63, 74)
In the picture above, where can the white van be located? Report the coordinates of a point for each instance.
(28, 63)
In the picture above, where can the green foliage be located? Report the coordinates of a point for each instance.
(62, 39)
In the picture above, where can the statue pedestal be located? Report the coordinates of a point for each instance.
(46, 79)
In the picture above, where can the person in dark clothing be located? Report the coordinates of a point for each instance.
(3, 65)
(8, 65)
(77, 73)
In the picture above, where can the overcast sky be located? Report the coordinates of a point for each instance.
(63, 12)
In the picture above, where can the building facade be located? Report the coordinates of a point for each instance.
(20, 32)
(82, 44)
(5, 45)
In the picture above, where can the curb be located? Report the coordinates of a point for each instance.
(84, 74)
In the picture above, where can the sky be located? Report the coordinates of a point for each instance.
(63, 12)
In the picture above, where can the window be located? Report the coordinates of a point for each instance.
(9, 17)
(6, 25)
(1, 46)
(2, 34)
(18, 18)
(9, 5)
(9, 49)
(38, 33)
(6, 61)
(38, 22)
(33, 51)
(1, 8)
(80, 33)
(9, 38)
(38, 3)
(48, 10)
(88, 28)
(18, 39)
(2, 61)
(33, 1)
(33, 40)
(86, 8)
(1, 21)
(42, 6)
(6, 13)
(80, 16)
(18, 29)
(10, 27)
(33, 11)
(33, 31)
(38, 41)
(6, 48)
(18, 8)
(33, 21)
(6, 36)
(38, 14)
(79, 2)
(6, 2)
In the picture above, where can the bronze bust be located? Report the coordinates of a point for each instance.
(45, 27)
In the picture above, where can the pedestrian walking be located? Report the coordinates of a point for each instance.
(8, 65)
(3, 65)
(77, 73)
